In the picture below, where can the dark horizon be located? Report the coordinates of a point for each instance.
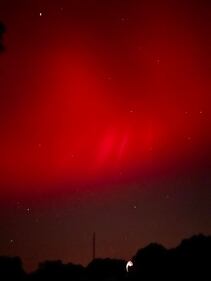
(187, 244)
(190, 260)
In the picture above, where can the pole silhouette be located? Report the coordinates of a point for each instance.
(94, 246)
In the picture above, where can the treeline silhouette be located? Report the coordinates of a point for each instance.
(191, 260)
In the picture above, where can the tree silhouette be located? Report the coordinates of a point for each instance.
(11, 269)
(106, 270)
(56, 270)
(189, 261)
(150, 262)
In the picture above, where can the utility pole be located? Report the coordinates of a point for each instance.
(94, 245)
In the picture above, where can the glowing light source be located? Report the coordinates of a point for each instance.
(128, 265)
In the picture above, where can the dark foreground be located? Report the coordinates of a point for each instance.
(191, 260)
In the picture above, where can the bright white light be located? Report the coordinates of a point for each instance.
(128, 265)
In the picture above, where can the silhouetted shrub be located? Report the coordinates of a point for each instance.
(11, 269)
(56, 270)
(106, 269)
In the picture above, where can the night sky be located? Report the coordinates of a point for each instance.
(105, 126)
